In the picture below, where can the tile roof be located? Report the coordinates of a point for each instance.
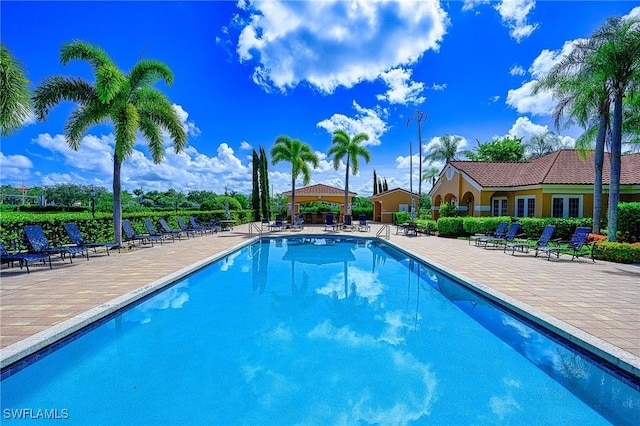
(319, 189)
(560, 167)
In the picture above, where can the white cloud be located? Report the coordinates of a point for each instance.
(189, 126)
(517, 70)
(524, 101)
(524, 128)
(14, 167)
(439, 87)
(514, 15)
(401, 89)
(246, 146)
(369, 121)
(336, 43)
(192, 169)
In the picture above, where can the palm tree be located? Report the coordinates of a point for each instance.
(420, 117)
(343, 146)
(617, 59)
(445, 149)
(586, 97)
(543, 143)
(127, 100)
(15, 99)
(299, 154)
(430, 174)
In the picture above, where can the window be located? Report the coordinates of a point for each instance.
(526, 206)
(566, 206)
(499, 206)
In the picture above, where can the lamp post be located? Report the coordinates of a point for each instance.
(93, 202)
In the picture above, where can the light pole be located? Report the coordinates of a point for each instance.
(93, 202)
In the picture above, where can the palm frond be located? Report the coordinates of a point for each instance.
(153, 135)
(78, 49)
(81, 119)
(55, 89)
(148, 71)
(15, 100)
(126, 121)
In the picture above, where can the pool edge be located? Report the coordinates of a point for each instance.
(32, 344)
(616, 356)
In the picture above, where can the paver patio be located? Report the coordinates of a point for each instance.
(589, 300)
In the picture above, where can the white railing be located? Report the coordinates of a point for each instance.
(384, 229)
(254, 227)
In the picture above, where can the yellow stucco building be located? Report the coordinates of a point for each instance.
(559, 184)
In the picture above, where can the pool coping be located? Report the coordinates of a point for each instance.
(56, 333)
(614, 355)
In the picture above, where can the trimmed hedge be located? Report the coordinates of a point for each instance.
(629, 222)
(100, 228)
(531, 227)
(451, 227)
(483, 225)
(617, 252)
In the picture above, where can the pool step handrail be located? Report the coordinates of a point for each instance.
(253, 226)
(384, 229)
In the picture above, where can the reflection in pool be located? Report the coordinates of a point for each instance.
(319, 331)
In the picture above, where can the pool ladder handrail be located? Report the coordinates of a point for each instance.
(252, 226)
(386, 229)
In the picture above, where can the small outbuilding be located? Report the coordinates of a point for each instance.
(388, 202)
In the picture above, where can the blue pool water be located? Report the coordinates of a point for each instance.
(316, 331)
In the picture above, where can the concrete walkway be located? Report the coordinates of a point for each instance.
(594, 304)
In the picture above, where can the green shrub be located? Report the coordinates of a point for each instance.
(617, 252)
(448, 210)
(451, 227)
(629, 222)
(400, 217)
(483, 225)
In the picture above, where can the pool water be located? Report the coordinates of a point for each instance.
(313, 330)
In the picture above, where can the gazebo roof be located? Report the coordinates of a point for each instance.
(319, 189)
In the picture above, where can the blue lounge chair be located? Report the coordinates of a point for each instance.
(184, 228)
(153, 234)
(165, 229)
(348, 223)
(500, 232)
(329, 225)
(132, 236)
(23, 258)
(277, 224)
(203, 229)
(76, 238)
(510, 236)
(298, 224)
(37, 242)
(574, 246)
(362, 225)
(543, 241)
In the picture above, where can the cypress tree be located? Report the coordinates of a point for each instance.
(379, 185)
(264, 183)
(385, 187)
(255, 194)
(375, 180)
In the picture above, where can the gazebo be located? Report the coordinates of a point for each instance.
(318, 192)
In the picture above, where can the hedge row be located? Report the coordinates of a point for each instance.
(101, 228)
(455, 227)
(617, 252)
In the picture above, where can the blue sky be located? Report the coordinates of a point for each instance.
(247, 72)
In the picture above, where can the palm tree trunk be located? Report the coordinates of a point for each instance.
(293, 196)
(616, 153)
(597, 180)
(117, 204)
(346, 188)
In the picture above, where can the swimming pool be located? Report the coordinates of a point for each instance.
(317, 330)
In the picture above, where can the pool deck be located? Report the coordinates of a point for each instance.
(595, 304)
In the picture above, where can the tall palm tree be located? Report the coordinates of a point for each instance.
(420, 117)
(617, 59)
(299, 154)
(344, 146)
(585, 96)
(15, 99)
(446, 149)
(127, 100)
